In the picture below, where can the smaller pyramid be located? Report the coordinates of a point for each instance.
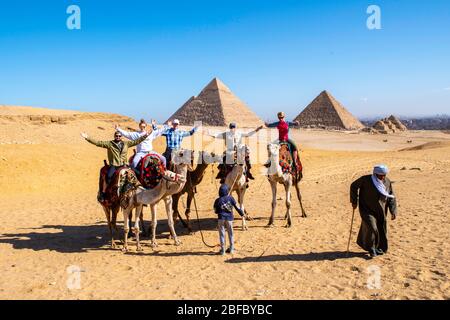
(397, 123)
(327, 113)
(389, 125)
(216, 105)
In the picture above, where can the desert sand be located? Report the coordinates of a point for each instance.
(52, 223)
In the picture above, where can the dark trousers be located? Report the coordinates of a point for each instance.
(111, 171)
(168, 155)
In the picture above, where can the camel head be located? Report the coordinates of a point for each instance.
(273, 149)
(208, 158)
(184, 159)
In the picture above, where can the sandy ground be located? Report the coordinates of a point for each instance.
(53, 226)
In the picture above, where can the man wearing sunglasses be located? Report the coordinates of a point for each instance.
(117, 153)
(375, 196)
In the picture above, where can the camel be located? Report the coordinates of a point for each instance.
(236, 181)
(194, 178)
(135, 198)
(275, 176)
(112, 206)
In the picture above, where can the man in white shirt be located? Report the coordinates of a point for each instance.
(233, 140)
(146, 146)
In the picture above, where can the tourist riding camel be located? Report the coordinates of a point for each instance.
(146, 146)
(233, 140)
(174, 138)
(283, 134)
(117, 155)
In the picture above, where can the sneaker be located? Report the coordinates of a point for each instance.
(230, 250)
(221, 252)
(379, 252)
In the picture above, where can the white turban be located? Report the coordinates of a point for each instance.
(381, 170)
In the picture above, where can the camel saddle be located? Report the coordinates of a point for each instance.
(113, 188)
(287, 161)
(226, 168)
(150, 171)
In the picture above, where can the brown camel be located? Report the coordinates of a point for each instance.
(111, 204)
(193, 179)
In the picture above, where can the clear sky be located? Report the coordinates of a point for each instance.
(146, 58)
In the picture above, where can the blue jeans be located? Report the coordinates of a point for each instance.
(229, 228)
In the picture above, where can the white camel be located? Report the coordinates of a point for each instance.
(236, 181)
(137, 198)
(275, 176)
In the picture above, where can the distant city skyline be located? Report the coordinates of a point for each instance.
(145, 59)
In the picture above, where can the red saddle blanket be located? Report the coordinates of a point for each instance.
(287, 161)
(150, 171)
(111, 193)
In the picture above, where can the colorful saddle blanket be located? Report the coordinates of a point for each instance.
(150, 171)
(287, 161)
(113, 188)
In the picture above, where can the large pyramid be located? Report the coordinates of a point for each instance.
(216, 105)
(326, 112)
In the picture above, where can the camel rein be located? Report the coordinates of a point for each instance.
(198, 219)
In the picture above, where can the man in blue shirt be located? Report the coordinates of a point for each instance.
(174, 138)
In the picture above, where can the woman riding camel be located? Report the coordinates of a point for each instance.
(146, 146)
(283, 133)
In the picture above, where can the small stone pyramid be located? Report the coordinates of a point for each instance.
(398, 124)
(216, 105)
(327, 113)
(389, 125)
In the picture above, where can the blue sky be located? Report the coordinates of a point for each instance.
(146, 58)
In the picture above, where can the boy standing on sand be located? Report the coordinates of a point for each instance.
(223, 207)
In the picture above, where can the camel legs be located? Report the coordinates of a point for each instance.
(241, 194)
(299, 196)
(168, 203)
(153, 225)
(287, 188)
(273, 185)
(188, 211)
(110, 226)
(126, 228)
(136, 227)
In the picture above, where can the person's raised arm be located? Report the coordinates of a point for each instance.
(220, 135)
(273, 124)
(137, 141)
(159, 132)
(293, 124)
(249, 134)
(128, 134)
(190, 132)
(101, 144)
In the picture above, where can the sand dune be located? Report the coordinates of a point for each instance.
(52, 222)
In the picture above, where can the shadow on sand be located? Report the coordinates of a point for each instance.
(71, 239)
(312, 256)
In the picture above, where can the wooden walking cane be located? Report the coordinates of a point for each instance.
(350, 235)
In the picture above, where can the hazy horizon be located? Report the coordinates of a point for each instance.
(145, 59)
